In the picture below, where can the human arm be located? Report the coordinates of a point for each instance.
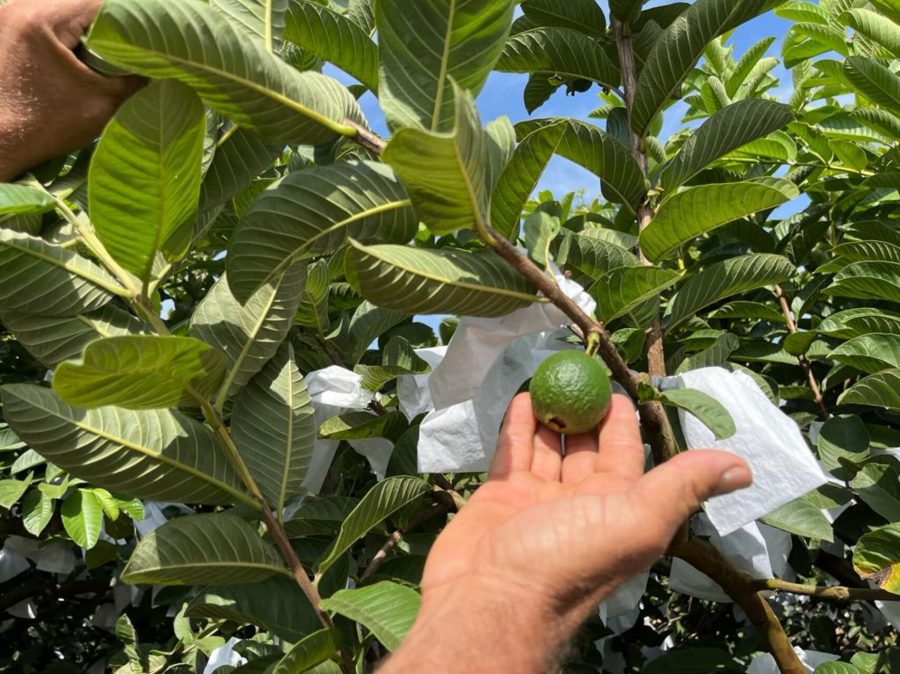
(547, 538)
(50, 102)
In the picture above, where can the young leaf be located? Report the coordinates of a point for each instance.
(384, 499)
(701, 209)
(82, 518)
(190, 42)
(877, 557)
(153, 454)
(202, 550)
(48, 280)
(311, 650)
(273, 428)
(706, 408)
(424, 51)
(724, 279)
(442, 281)
(21, 199)
(880, 390)
(445, 173)
(141, 372)
(386, 609)
(620, 290)
(313, 212)
(144, 180)
(251, 333)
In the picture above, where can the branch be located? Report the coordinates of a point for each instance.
(804, 361)
(836, 592)
(397, 536)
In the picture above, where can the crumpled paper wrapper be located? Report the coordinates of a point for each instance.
(620, 610)
(767, 439)
(765, 663)
(758, 549)
(413, 393)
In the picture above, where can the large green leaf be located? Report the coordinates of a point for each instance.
(323, 515)
(249, 334)
(862, 321)
(881, 390)
(428, 46)
(313, 212)
(879, 120)
(82, 517)
(701, 209)
(313, 309)
(144, 180)
(620, 290)
(53, 339)
(562, 52)
(598, 152)
(210, 549)
(875, 27)
(878, 485)
(384, 499)
(591, 256)
(877, 557)
(843, 441)
(730, 128)
(367, 324)
(155, 454)
(676, 52)
(443, 281)
(48, 280)
(869, 353)
(875, 81)
(21, 199)
(583, 15)
(802, 518)
(868, 280)
(445, 173)
(190, 42)
(141, 372)
(333, 37)
(309, 652)
(260, 19)
(724, 279)
(386, 609)
(240, 156)
(273, 428)
(397, 358)
(706, 408)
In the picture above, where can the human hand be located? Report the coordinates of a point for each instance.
(547, 538)
(50, 102)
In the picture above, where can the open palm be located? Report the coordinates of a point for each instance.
(571, 528)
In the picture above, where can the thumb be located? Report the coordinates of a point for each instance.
(678, 487)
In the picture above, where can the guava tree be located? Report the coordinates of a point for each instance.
(175, 297)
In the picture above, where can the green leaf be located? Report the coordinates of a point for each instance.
(424, 51)
(713, 356)
(397, 358)
(802, 518)
(240, 156)
(874, 80)
(595, 150)
(877, 390)
(311, 213)
(701, 209)
(445, 173)
(620, 290)
(861, 321)
(313, 309)
(843, 441)
(724, 279)
(49, 280)
(746, 65)
(626, 10)
(273, 428)
(500, 137)
(20, 199)
(360, 424)
(155, 454)
(881, 121)
(443, 281)
(707, 409)
(877, 557)
(878, 485)
(741, 309)
(11, 491)
(82, 518)
(836, 668)
(729, 129)
(868, 280)
(386, 609)
(541, 228)
(202, 550)
(323, 515)
(591, 256)
(861, 251)
(276, 604)
(144, 180)
(37, 510)
(190, 42)
(251, 333)
(309, 652)
(384, 499)
(692, 661)
(333, 37)
(53, 339)
(561, 52)
(675, 54)
(260, 19)
(869, 353)
(582, 15)
(141, 372)
(367, 324)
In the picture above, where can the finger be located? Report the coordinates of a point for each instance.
(674, 490)
(547, 459)
(581, 456)
(621, 448)
(515, 445)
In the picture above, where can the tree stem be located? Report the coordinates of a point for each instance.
(804, 361)
(834, 592)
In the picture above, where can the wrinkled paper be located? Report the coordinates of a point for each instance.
(765, 663)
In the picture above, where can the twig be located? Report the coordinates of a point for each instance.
(834, 592)
(365, 138)
(397, 536)
(804, 361)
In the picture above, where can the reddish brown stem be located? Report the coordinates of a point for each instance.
(397, 536)
(804, 361)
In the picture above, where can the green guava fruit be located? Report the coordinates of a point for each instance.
(570, 392)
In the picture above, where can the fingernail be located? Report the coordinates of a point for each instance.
(736, 477)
